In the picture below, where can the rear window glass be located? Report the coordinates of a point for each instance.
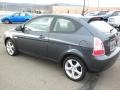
(102, 26)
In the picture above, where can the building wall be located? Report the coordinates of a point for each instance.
(78, 9)
(67, 9)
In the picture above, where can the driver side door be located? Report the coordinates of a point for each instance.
(34, 39)
(15, 17)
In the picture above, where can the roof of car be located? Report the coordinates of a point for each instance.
(74, 16)
(68, 15)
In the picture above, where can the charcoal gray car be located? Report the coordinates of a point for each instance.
(71, 40)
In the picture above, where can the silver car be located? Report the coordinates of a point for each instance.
(115, 20)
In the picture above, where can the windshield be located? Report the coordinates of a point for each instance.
(103, 26)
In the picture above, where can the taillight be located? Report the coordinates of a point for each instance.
(98, 48)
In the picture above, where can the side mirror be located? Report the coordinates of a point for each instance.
(19, 28)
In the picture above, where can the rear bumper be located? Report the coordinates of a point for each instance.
(98, 64)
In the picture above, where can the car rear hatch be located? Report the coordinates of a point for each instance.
(110, 35)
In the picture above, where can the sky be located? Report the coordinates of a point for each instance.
(102, 3)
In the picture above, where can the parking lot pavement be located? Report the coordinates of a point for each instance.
(24, 72)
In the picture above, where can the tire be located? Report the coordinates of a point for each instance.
(119, 28)
(74, 68)
(11, 48)
(6, 21)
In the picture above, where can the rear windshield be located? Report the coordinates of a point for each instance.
(103, 26)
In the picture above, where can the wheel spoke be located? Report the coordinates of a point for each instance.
(8, 44)
(11, 51)
(73, 74)
(78, 72)
(70, 62)
(8, 49)
(68, 68)
(76, 65)
(12, 46)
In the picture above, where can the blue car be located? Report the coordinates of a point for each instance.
(16, 18)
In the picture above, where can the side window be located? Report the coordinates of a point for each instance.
(40, 24)
(16, 14)
(22, 14)
(64, 25)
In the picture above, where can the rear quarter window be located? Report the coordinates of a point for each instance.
(65, 25)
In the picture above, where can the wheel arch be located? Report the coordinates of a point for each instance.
(8, 20)
(6, 40)
(67, 54)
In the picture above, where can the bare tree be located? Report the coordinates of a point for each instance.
(98, 6)
(83, 11)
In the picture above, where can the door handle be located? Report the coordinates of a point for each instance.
(41, 37)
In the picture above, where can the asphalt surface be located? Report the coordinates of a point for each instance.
(24, 72)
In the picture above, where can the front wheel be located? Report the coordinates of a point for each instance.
(11, 48)
(74, 68)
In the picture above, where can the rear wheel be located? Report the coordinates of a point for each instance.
(6, 21)
(74, 68)
(11, 48)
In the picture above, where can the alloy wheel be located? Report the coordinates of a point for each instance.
(10, 47)
(73, 69)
